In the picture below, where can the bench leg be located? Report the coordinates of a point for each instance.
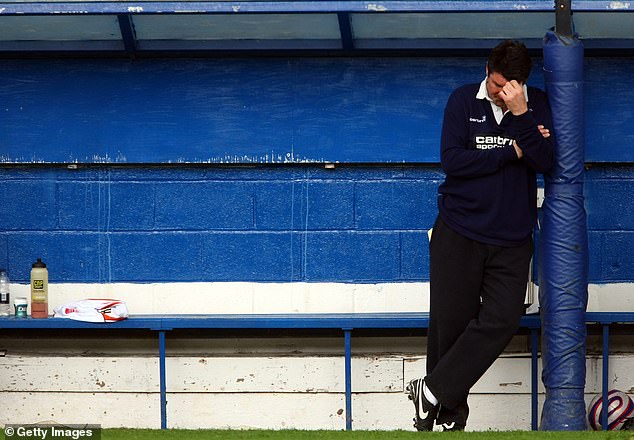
(605, 372)
(348, 374)
(162, 386)
(534, 393)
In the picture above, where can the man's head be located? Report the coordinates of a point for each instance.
(508, 61)
(511, 60)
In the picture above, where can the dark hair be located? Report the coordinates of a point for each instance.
(511, 60)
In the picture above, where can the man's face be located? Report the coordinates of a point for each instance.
(494, 84)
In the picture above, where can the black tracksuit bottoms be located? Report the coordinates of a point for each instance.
(476, 302)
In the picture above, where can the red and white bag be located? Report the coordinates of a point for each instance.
(93, 310)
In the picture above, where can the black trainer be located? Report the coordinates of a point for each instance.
(425, 412)
(452, 426)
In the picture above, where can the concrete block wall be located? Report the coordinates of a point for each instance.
(262, 224)
(297, 223)
(609, 192)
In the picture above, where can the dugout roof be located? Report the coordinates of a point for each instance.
(132, 28)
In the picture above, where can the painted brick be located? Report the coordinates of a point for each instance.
(610, 204)
(70, 257)
(147, 173)
(82, 206)
(305, 205)
(28, 205)
(595, 250)
(389, 199)
(82, 174)
(355, 173)
(617, 256)
(256, 172)
(106, 206)
(414, 256)
(280, 205)
(396, 205)
(204, 205)
(330, 205)
(131, 206)
(427, 172)
(148, 257)
(4, 260)
(351, 256)
(251, 257)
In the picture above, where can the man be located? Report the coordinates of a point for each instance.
(495, 137)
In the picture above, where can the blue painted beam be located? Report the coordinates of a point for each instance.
(296, 46)
(62, 46)
(171, 7)
(387, 320)
(246, 7)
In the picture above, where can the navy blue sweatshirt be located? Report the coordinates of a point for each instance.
(489, 195)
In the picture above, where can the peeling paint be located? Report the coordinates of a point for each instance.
(135, 9)
(520, 7)
(619, 5)
(508, 384)
(272, 158)
(236, 8)
(376, 7)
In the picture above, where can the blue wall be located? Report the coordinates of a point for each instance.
(218, 224)
(266, 223)
(148, 221)
(263, 110)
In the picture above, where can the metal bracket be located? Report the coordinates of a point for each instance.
(347, 42)
(563, 17)
(128, 34)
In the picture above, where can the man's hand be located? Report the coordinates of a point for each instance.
(513, 96)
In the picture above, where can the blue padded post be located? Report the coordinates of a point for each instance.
(563, 247)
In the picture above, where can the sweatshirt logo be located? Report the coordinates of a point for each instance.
(484, 118)
(489, 142)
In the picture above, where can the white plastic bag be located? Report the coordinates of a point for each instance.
(93, 310)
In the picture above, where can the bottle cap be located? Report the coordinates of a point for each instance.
(39, 263)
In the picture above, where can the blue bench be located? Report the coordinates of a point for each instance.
(346, 322)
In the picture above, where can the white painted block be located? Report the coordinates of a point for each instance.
(110, 410)
(200, 374)
(510, 374)
(282, 374)
(259, 411)
(508, 412)
(620, 377)
(86, 374)
(244, 297)
(507, 375)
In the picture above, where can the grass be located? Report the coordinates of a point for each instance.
(182, 434)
